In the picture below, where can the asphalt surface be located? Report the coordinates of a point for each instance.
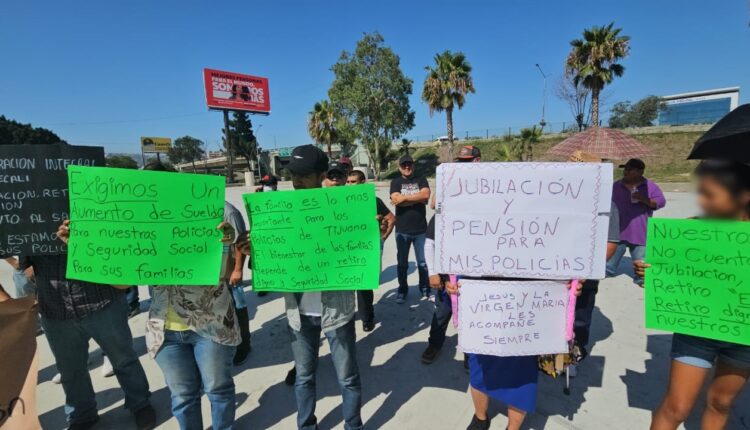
(617, 387)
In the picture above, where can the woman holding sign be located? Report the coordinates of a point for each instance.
(723, 193)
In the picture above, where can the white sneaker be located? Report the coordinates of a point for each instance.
(57, 379)
(107, 369)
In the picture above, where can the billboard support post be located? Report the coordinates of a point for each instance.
(228, 141)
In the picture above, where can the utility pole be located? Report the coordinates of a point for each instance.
(542, 123)
(228, 140)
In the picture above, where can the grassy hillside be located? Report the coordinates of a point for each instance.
(668, 164)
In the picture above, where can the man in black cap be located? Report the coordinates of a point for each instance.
(410, 196)
(331, 312)
(336, 174)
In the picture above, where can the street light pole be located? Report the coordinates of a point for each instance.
(542, 123)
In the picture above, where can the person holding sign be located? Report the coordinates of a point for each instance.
(72, 313)
(636, 198)
(365, 298)
(329, 312)
(410, 196)
(723, 193)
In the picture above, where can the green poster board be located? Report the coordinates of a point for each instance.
(699, 280)
(135, 227)
(314, 240)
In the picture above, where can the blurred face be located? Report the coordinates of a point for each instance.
(406, 169)
(337, 178)
(716, 201)
(353, 180)
(632, 174)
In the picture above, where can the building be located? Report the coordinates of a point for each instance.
(701, 107)
(277, 159)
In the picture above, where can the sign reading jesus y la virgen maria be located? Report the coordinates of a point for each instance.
(314, 240)
(131, 227)
(523, 220)
(699, 280)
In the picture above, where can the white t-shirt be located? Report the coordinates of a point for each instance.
(311, 304)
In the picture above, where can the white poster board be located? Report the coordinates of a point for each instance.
(512, 318)
(523, 220)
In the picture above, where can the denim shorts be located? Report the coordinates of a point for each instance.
(702, 352)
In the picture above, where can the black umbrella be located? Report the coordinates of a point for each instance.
(728, 139)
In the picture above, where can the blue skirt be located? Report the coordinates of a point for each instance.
(511, 380)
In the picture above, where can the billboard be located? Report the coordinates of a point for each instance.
(155, 144)
(235, 91)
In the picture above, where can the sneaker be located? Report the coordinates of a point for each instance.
(429, 354)
(107, 369)
(57, 379)
(400, 298)
(477, 424)
(291, 377)
(85, 425)
(145, 418)
(368, 326)
(426, 294)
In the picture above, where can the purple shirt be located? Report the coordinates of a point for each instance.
(634, 216)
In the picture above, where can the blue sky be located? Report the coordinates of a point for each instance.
(105, 73)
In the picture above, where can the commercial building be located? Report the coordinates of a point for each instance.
(700, 107)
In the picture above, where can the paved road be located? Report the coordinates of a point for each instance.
(617, 387)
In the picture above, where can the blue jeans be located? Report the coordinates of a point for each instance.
(192, 365)
(440, 319)
(69, 341)
(305, 346)
(637, 252)
(132, 297)
(403, 243)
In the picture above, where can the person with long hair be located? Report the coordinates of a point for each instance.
(723, 193)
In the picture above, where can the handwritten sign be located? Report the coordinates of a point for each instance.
(699, 280)
(314, 240)
(508, 318)
(523, 220)
(131, 227)
(34, 195)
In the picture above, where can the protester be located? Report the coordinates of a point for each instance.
(441, 317)
(336, 175)
(268, 183)
(365, 298)
(723, 193)
(233, 216)
(74, 312)
(329, 312)
(410, 196)
(24, 283)
(636, 198)
(587, 300)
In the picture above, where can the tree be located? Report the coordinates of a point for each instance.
(593, 61)
(15, 133)
(641, 114)
(321, 124)
(385, 152)
(446, 86)
(244, 142)
(528, 138)
(121, 161)
(371, 93)
(405, 147)
(505, 153)
(576, 96)
(186, 149)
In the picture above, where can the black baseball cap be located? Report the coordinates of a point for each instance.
(468, 153)
(634, 163)
(405, 159)
(307, 159)
(336, 166)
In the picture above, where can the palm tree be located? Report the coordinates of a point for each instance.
(404, 148)
(593, 61)
(446, 86)
(529, 137)
(321, 124)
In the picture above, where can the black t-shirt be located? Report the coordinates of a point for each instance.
(382, 209)
(410, 219)
(431, 229)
